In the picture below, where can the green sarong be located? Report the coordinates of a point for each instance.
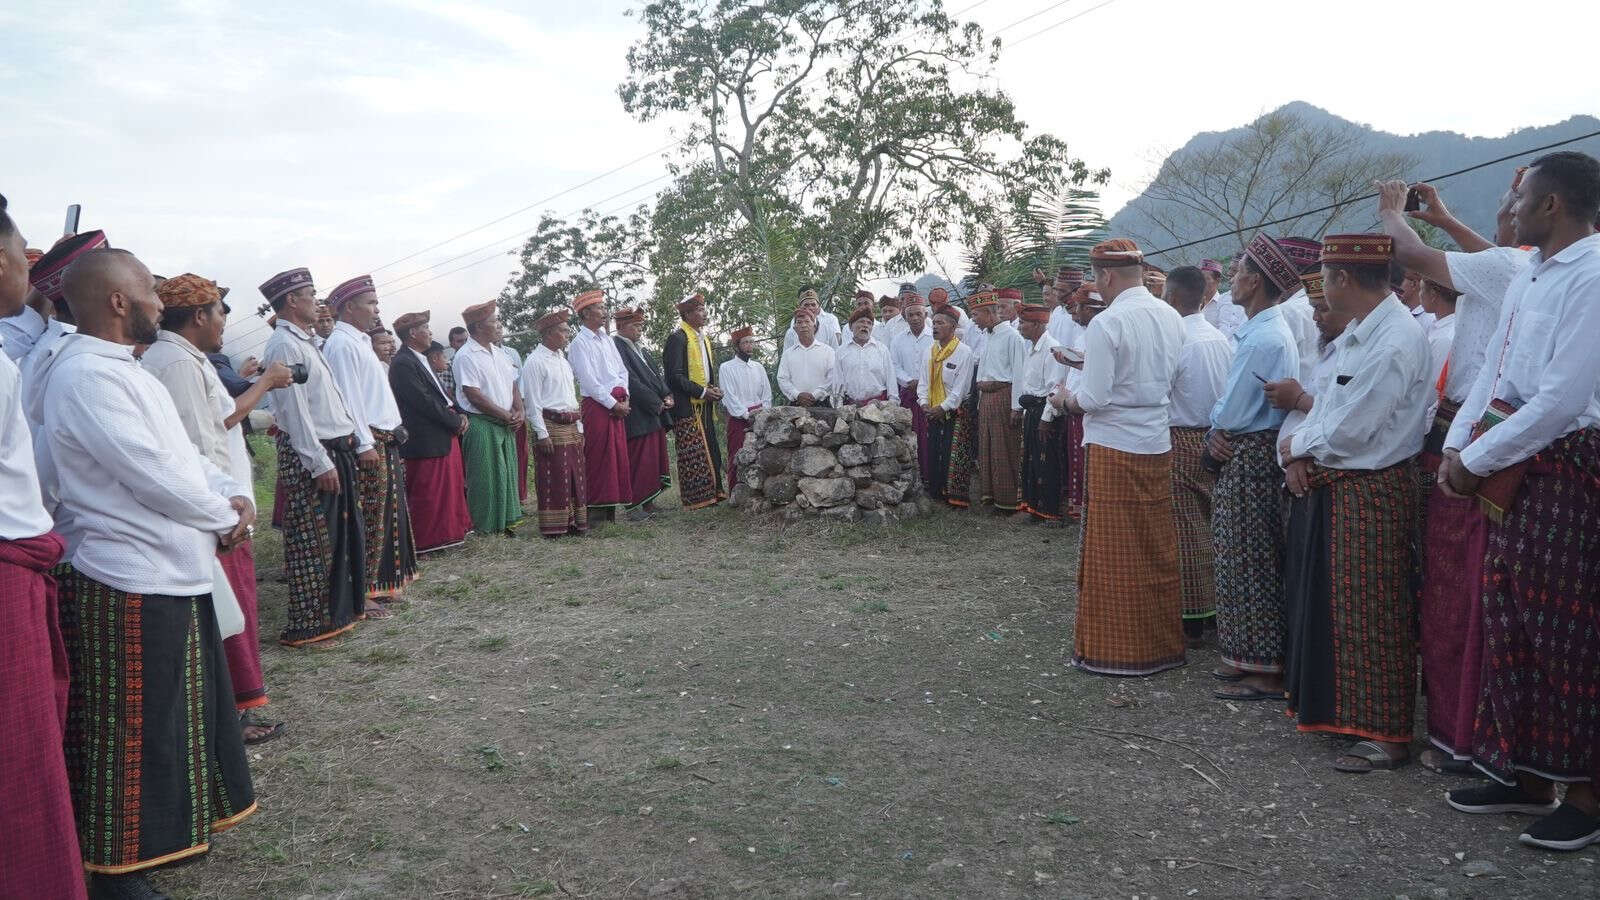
(489, 450)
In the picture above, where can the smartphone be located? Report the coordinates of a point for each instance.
(1069, 356)
(1413, 200)
(73, 212)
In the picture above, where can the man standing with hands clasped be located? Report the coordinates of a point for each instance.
(486, 390)
(603, 383)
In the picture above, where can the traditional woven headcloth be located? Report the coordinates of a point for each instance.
(1086, 295)
(946, 309)
(740, 334)
(1358, 249)
(1034, 312)
(482, 312)
(1211, 265)
(1304, 251)
(1068, 278)
(411, 320)
(983, 299)
(48, 274)
(811, 294)
(907, 287)
(1116, 252)
(349, 290)
(1313, 282)
(628, 314)
(553, 319)
(938, 296)
(906, 298)
(862, 294)
(187, 290)
(689, 305)
(588, 299)
(282, 283)
(864, 312)
(1010, 294)
(1273, 262)
(911, 300)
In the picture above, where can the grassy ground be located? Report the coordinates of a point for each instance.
(705, 706)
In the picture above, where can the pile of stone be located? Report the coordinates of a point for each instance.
(855, 464)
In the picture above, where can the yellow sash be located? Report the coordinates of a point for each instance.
(699, 366)
(936, 361)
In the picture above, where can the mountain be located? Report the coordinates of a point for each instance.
(1473, 196)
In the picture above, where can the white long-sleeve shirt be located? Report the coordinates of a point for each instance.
(1062, 328)
(1542, 360)
(1482, 278)
(745, 387)
(806, 370)
(1321, 376)
(956, 376)
(1371, 415)
(19, 332)
(1001, 357)
(22, 514)
(1225, 315)
(202, 402)
(489, 371)
(362, 381)
(599, 367)
(1297, 314)
(308, 413)
(829, 332)
(1040, 371)
(1130, 358)
(909, 351)
(146, 507)
(1203, 364)
(548, 382)
(43, 347)
(863, 371)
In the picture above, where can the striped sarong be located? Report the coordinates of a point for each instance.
(1130, 600)
(1247, 533)
(1349, 610)
(489, 452)
(1191, 512)
(324, 545)
(1041, 462)
(699, 481)
(963, 456)
(391, 553)
(999, 451)
(559, 480)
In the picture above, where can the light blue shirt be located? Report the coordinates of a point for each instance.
(1266, 349)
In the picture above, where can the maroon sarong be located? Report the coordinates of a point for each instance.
(647, 459)
(520, 435)
(1452, 621)
(436, 491)
(244, 649)
(919, 424)
(737, 428)
(606, 471)
(559, 477)
(39, 857)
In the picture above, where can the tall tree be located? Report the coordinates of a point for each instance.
(832, 134)
(562, 259)
(1279, 166)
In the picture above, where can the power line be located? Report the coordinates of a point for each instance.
(1071, 18)
(1333, 206)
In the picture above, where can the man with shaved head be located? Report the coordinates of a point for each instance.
(154, 750)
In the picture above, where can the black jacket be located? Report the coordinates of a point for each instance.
(646, 390)
(430, 420)
(676, 359)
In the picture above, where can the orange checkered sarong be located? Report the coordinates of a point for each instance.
(1130, 595)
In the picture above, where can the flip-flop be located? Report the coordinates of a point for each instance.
(1373, 758)
(377, 612)
(274, 729)
(1255, 693)
(1221, 675)
(1435, 760)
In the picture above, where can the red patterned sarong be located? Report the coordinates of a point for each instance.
(999, 451)
(436, 491)
(559, 481)
(606, 470)
(244, 649)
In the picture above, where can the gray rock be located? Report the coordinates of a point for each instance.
(876, 412)
(801, 501)
(885, 470)
(758, 504)
(823, 414)
(836, 439)
(862, 432)
(878, 517)
(751, 477)
(884, 447)
(846, 513)
(841, 425)
(908, 510)
(888, 431)
(789, 413)
(825, 492)
(861, 475)
(783, 434)
(739, 496)
(780, 489)
(873, 496)
(774, 460)
(811, 462)
(892, 493)
(809, 440)
(854, 455)
(759, 422)
(793, 513)
(746, 457)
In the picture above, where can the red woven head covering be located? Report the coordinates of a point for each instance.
(48, 274)
(482, 312)
(1010, 294)
(740, 334)
(864, 312)
(187, 290)
(1273, 262)
(1358, 249)
(349, 290)
(689, 305)
(1116, 252)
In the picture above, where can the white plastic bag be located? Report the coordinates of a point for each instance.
(230, 618)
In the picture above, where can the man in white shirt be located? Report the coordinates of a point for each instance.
(806, 370)
(47, 277)
(553, 414)
(863, 371)
(1130, 598)
(319, 486)
(909, 352)
(999, 382)
(891, 314)
(1440, 304)
(603, 384)
(150, 689)
(943, 380)
(1040, 480)
(364, 382)
(1203, 364)
(192, 320)
(964, 328)
(19, 330)
(745, 392)
(1219, 308)
(1062, 327)
(1535, 465)
(827, 330)
(486, 390)
(34, 780)
(1351, 471)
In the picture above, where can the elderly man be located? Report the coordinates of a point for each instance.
(552, 404)
(964, 434)
(486, 390)
(909, 350)
(943, 379)
(806, 371)
(436, 492)
(1040, 481)
(826, 331)
(603, 384)
(153, 746)
(324, 539)
(863, 372)
(1219, 308)
(1000, 364)
(649, 415)
(1130, 596)
(193, 317)
(391, 555)
(692, 377)
(745, 392)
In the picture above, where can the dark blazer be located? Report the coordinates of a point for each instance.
(676, 359)
(646, 391)
(430, 420)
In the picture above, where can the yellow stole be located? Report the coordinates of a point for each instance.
(699, 366)
(936, 361)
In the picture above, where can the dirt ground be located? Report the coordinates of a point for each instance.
(703, 706)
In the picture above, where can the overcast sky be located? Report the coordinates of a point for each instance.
(240, 139)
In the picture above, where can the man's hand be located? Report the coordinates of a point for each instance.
(935, 413)
(1459, 482)
(1433, 210)
(247, 517)
(277, 375)
(1392, 196)
(545, 446)
(1218, 447)
(1038, 275)
(1284, 393)
(517, 418)
(1296, 474)
(328, 482)
(368, 459)
(805, 399)
(250, 367)
(465, 424)
(668, 401)
(714, 393)
(620, 410)
(1058, 399)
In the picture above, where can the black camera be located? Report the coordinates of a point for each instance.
(299, 373)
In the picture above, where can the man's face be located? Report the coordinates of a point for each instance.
(1213, 283)
(362, 311)
(915, 317)
(944, 328)
(383, 346)
(420, 337)
(986, 316)
(458, 340)
(1083, 313)
(490, 331)
(1411, 287)
(861, 329)
(436, 361)
(811, 305)
(324, 323)
(1340, 293)
(557, 338)
(13, 273)
(1030, 331)
(210, 325)
(630, 329)
(887, 312)
(805, 328)
(144, 307)
(1329, 324)
(696, 317)
(1008, 310)
(861, 303)
(593, 316)
(1531, 210)
(747, 345)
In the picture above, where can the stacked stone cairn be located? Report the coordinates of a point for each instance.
(855, 464)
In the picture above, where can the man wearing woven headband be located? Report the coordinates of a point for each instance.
(487, 391)
(1527, 444)
(650, 405)
(603, 385)
(943, 380)
(1040, 481)
(436, 493)
(746, 391)
(1084, 304)
(1218, 306)
(805, 373)
(554, 414)
(1348, 559)
(1130, 602)
(827, 330)
(909, 351)
(863, 371)
(691, 373)
(999, 414)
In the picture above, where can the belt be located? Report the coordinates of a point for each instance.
(559, 417)
(348, 442)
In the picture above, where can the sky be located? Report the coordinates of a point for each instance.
(240, 139)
